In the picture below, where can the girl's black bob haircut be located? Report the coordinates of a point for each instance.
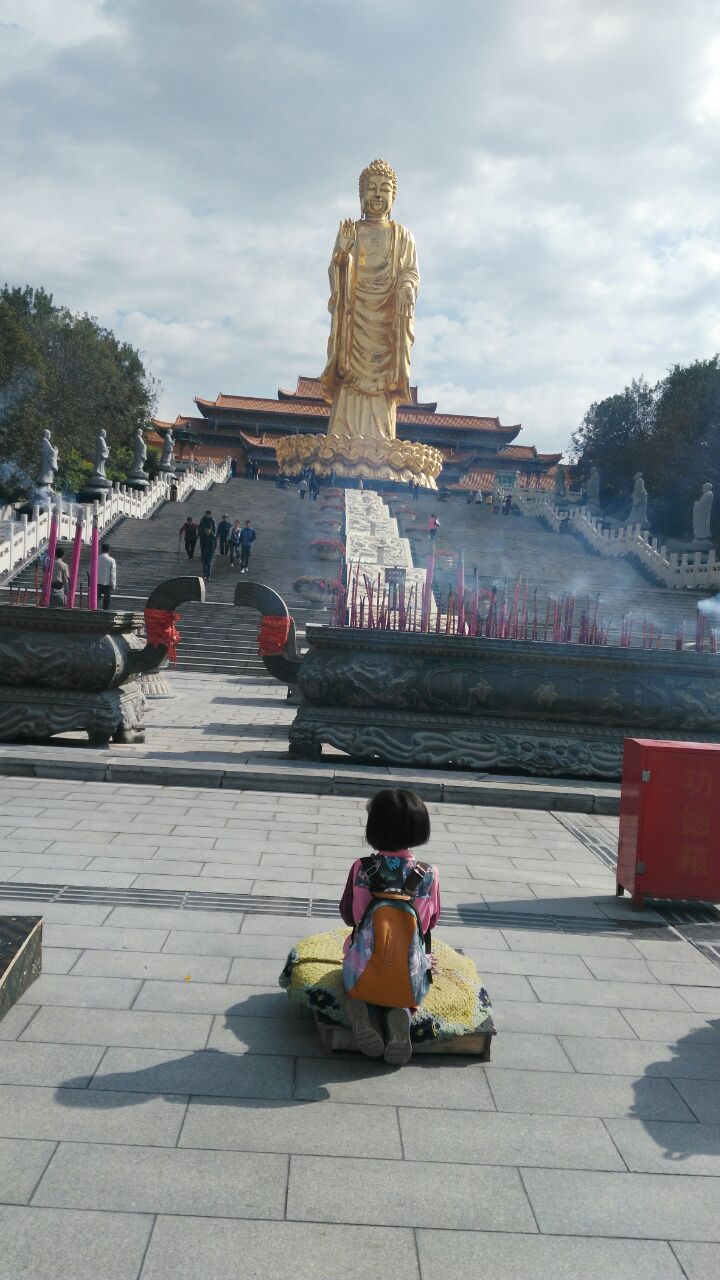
(397, 819)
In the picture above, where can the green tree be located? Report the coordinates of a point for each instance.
(615, 436)
(685, 443)
(79, 378)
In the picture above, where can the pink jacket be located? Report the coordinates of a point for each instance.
(357, 896)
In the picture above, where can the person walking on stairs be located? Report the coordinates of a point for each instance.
(303, 488)
(189, 532)
(106, 576)
(223, 533)
(235, 543)
(247, 537)
(208, 542)
(59, 578)
(433, 526)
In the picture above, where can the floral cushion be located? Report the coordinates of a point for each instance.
(455, 1005)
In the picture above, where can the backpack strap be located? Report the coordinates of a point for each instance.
(412, 882)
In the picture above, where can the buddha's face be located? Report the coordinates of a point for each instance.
(377, 196)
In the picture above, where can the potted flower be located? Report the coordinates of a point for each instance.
(327, 548)
(330, 524)
(316, 589)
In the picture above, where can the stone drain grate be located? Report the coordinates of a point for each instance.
(477, 915)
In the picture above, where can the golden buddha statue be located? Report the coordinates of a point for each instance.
(374, 281)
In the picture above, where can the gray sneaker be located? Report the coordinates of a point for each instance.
(366, 1033)
(398, 1049)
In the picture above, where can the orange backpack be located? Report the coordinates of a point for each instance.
(388, 960)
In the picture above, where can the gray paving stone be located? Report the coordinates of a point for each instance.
(81, 1115)
(21, 1164)
(218, 1249)
(610, 970)
(85, 993)
(159, 918)
(124, 1027)
(315, 1128)
(208, 1072)
(700, 973)
(214, 997)
(22, 1062)
(103, 938)
(651, 1024)
(262, 971)
(528, 962)
(702, 1096)
(699, 1261)
(559, 1093)
(46, 1244)
(643, 1057)
(562, 1019)
(471, 1137)
(366, 1192)
(287, 926)
(230, 945)
(148, 964)
(58, 959)
(55, 912)
(540, 1052)
(463, 1087)
(593, 993)
(654, 1146)
(639, 1205)
(510, 1256)
(266, 1035)
(703, 999)
(232, 1184)
(136, 866)
(576, 944)
(15, 1020)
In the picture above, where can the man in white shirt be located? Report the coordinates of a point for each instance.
(107, 576)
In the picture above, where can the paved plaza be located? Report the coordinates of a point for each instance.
(165, 1113)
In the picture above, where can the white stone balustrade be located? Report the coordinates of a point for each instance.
(693, 570)
(21, 539)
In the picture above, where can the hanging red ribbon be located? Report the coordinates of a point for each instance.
(161, 629)
(273, 636)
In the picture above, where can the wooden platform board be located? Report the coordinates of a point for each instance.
(20, 957)
(335, 1038)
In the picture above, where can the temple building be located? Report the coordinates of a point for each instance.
(477, 450)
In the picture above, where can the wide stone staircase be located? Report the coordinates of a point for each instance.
(504, 548)
(217, 637)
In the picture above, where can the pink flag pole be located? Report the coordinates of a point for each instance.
(75, 563)
(93, 570)
(427, 592)
(50, 557)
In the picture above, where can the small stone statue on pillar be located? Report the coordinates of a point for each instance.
(167, 458)
(98, 487)
(137, 478)
(638, 511)
(98, 479)
(592, 488)
(701, 514)
(47, 470)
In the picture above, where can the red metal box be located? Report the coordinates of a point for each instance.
(669, 845)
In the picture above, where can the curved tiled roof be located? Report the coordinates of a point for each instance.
(316, 409)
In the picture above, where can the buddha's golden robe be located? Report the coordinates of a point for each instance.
(368, 368)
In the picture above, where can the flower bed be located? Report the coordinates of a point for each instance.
(316, 589)
(327, 548)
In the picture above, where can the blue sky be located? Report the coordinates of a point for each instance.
(178, 169)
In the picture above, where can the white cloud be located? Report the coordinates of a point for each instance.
(179, 170)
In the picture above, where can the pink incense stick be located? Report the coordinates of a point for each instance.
(75, 562)
(50, 558)
(93, 569)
